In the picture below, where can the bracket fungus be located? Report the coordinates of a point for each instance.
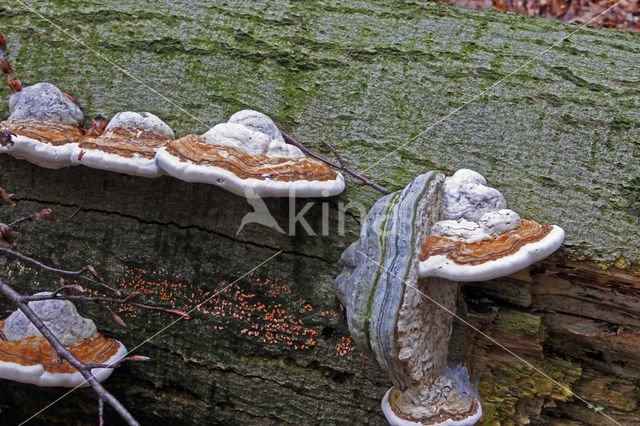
(248, 155)
(46, 124)
(27, 357)
(128, 145)
(400, 283)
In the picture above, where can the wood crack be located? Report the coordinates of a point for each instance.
(174, 224)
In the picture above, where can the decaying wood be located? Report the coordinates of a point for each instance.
(547, 112)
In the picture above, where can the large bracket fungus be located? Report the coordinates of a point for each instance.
(400, 282)
(248, 155)
(127, 145)
(46, 124)
(27, 357)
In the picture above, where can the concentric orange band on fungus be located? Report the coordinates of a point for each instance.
(55, 134)
(193, 148)
(97, 349)
(485, 250)
(126, 142)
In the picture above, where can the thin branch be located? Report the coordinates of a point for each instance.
(64, 353)
(124, 301)
(340, 165)
(334, 151)
(67, 287)
(115, 316)
(100, 412)
(44, 214)
(80, 273)
(135, 358)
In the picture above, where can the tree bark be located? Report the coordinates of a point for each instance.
(547, 112)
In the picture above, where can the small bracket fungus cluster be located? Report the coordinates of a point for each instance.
(27, 357)
(246, 155)
(128, 145)
(400, 282)
(46, 124)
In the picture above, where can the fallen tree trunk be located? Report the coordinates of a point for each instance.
(546, 111)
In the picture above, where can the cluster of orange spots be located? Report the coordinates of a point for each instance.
(345, 346)
(265, 320)
(140, 280)
(306, 305)
(325, 313)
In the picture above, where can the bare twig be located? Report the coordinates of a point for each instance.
(334, 151)
(21, 302)
(134, 358)
(115, 316)
(340, 165)
(67, 287)
(12, 81)
(80, 273)
(100, 412)
(102, 299)
(44, 214)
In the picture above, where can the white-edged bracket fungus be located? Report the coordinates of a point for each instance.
(248, 155)
(127, 145)
(46, 124)
(27, 357)
(400, 283)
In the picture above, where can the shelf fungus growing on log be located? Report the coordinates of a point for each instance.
(400, 283)
(27, 357)
(128, 145)
(46, 124)
(248, 155)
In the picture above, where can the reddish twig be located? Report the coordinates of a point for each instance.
(5, 199)
(334, 151)
(44, 214)
(340, 165)
(12, 81)
(6, 234)
(22, 303)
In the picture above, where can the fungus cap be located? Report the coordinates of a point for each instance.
(490, 258)
(480, 239)
(259, 122)
(27, 357)
(43, 143)
(466, 195)
(46, 124)
(244, 157)
(44, 102)
(33, 360)
(141, 120)
(128, 145)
